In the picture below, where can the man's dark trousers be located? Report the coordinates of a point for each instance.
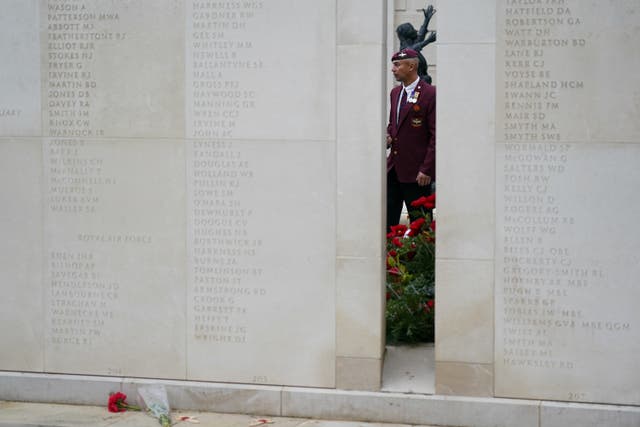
(399, 193)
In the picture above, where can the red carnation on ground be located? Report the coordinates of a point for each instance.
(118, 403)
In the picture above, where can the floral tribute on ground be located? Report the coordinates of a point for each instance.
(410, 311)
(118, 403)
(154, 401)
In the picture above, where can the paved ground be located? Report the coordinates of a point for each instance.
(14, 414)
(409, 369)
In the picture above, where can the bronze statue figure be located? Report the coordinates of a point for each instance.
(416, 40)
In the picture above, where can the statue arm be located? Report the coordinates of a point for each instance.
(428, 14)
(430, 39)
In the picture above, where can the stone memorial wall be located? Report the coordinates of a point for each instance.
(170, 190)
(189, 191)
(538, 237)
(566, 164)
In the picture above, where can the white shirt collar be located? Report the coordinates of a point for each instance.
(409, 89)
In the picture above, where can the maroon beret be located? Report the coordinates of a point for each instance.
(404, 54)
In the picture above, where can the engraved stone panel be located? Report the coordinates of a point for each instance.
(20, 70)
(567, 70)
(179, 214)
(259, 280)
(260, 70)
(567, 267)
(114, 257)
(113, 69)
(566, 211)
(21, 255)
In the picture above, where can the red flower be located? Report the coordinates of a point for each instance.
(398, 230)
(418, 202)
(428, 202)
(422, 202)
(433, 226)
(416, 107)
(428, 306)
(396, 241)
(393, 252)
(417, 223)
(416, 226)
(116, 400)
(118, 403)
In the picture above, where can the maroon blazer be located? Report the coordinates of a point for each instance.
(413, 136)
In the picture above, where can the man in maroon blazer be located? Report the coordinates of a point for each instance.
(411, 136)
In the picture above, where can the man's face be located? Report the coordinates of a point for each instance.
(401, 70)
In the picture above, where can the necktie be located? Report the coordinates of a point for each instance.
(403, 101)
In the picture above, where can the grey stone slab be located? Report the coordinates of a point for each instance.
(21, 255)
(128, 81)
(15, 414)
(565, 325)
(358, 292)
(71, 389)
(459, 23)
(259, 93)
(20, 105)
(565, 283)
(352, 407)
(467, 321)
(411, 409)
(114, 222)
(354, 30)
(117, 92)
(19, 414)
(248, 316)
(562, 414)
(561, 53)
(324, 423)
(215, 397)
(465, 171)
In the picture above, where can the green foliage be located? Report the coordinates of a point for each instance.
(410, 311)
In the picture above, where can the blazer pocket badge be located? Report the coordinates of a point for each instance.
(416, 122)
